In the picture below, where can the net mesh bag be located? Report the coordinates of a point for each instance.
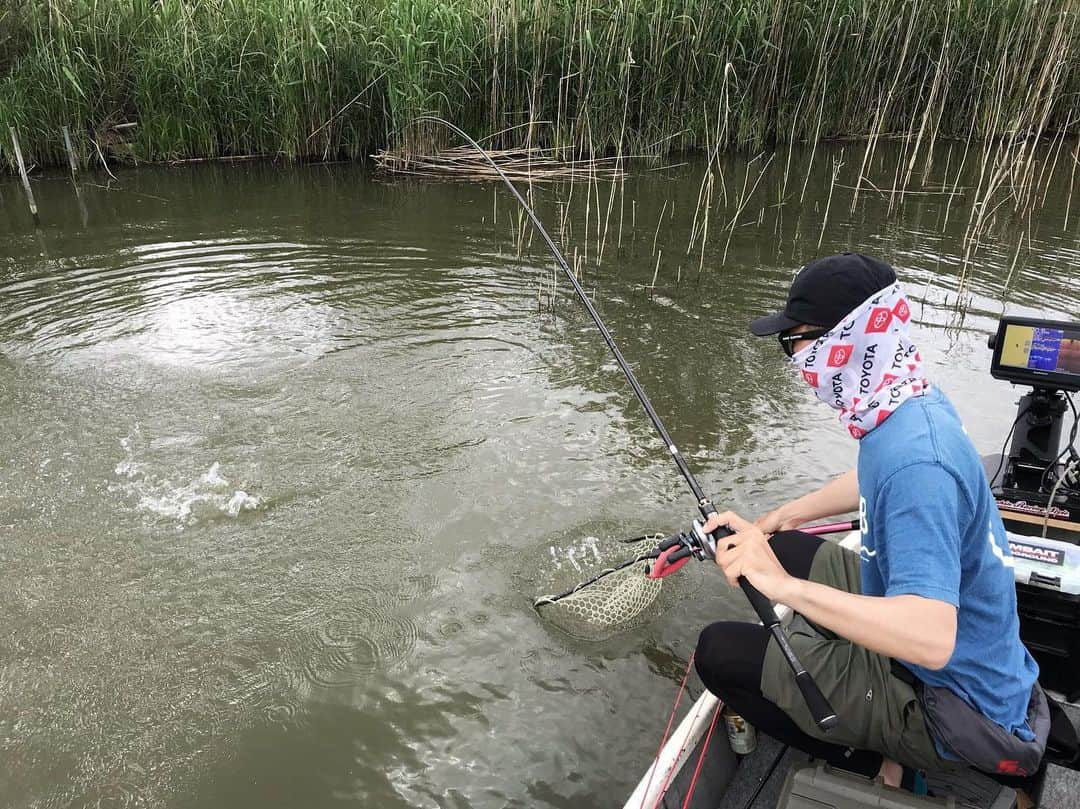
(614, 600)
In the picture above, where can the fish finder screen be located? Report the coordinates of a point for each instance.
(1046, 349)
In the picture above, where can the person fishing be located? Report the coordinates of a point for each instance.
(914, 639)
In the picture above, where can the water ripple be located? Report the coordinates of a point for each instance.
(221, 303)
(350, 643)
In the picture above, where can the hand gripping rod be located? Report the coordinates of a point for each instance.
(819, 707)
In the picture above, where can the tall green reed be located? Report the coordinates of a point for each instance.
(324, 79)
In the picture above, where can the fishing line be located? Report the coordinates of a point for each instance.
(614, 597)
(705, 547)
(643, 557)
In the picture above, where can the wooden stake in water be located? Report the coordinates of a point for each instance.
(73, 164)
(24, 175)
(70, 152)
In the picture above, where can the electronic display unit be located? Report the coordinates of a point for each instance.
(1039, 353)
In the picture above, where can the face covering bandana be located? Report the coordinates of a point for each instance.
(867, 366)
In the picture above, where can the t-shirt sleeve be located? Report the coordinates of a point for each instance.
(918, 510)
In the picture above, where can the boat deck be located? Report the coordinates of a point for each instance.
(753, 768)
(1061, 789)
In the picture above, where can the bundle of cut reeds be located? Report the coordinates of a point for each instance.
(532, 165)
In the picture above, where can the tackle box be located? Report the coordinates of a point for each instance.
(818, 786)
(1052, 564)
(1047, 574)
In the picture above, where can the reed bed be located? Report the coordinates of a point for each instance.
(325, 79)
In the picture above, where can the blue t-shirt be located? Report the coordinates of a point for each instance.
(931, 528)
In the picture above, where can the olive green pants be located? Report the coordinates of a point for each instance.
(876, 710)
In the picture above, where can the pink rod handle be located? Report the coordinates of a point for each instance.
(831, 528)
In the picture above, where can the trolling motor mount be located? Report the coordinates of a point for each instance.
(1036, 441)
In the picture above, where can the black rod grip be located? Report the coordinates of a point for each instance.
(819, 707)
(762, 606)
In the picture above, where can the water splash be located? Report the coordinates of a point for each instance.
(581, 551)
(208, 496)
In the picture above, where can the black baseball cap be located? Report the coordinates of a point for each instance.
(826, 290)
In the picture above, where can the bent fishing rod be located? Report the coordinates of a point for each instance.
(705, 547)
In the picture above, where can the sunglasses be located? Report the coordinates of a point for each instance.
(789, 339)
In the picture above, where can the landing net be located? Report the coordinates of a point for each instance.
(614, 599)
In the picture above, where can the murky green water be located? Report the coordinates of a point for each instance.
(288, 452)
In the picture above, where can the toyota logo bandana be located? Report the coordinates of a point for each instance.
(867, 366)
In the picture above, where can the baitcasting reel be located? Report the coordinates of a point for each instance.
(676, 550)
